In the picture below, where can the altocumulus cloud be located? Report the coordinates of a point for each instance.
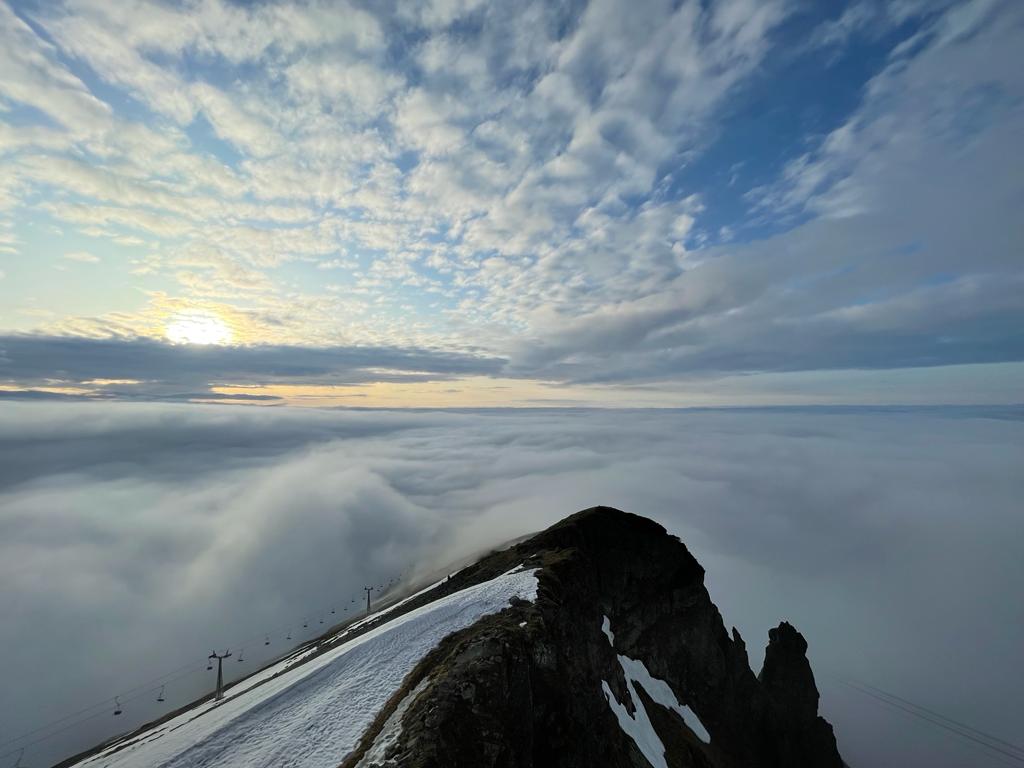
(134, 537)
(593, 192)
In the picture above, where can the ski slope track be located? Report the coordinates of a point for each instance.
(312, 714)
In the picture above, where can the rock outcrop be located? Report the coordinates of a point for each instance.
(622, 661)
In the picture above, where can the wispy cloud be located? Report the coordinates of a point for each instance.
(82, 256)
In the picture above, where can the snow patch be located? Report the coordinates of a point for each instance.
(311, 715)
(606, 627)
(660, 691)
(391, 729)
(638, 726)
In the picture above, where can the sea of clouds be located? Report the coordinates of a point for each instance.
(134, 538)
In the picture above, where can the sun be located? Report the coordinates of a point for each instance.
(197, 328)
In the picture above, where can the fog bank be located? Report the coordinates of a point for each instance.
(136, 537)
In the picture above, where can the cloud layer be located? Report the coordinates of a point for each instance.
(154, 369)
(135, 536)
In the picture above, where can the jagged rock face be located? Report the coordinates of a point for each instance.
(540, 693)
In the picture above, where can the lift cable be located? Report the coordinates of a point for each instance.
(134, 693)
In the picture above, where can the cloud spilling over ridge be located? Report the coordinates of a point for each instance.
(134, 537)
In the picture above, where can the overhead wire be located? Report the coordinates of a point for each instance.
(994, 744)
(136, 692)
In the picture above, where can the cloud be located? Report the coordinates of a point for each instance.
(544, 183)
(148, 533)
(159, 369)
(880, 277)
(30, 76)
(82, 256)
(854, 18)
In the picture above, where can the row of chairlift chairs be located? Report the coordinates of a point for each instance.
(118, 709)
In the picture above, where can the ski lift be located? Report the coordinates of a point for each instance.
(117, 706)
(289, 635)
(266, 640)
(321, 620)
(240, 659)
(209, 666)
(305, 625)
(332, 610)
(160, 696)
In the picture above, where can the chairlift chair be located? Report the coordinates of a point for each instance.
(117, 706)
(160, 696)
(266, 640)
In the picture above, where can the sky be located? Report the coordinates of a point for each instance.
(458, 203)
(136, 536)
(752, 268)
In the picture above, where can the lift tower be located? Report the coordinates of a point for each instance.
(220, 673)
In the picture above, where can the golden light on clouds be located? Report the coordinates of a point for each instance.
(198, 328)
(467, 392)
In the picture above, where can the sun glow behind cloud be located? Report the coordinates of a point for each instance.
(198, 328)
(582, 196)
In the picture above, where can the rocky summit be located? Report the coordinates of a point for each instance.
(621, 660)
(593, 643)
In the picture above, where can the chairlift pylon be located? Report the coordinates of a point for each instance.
(117, 706)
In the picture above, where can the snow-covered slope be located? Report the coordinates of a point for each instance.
(312, 714)
(614, 655)
(621, 661)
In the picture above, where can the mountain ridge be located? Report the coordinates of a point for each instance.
(498, 693)
(593, 642)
